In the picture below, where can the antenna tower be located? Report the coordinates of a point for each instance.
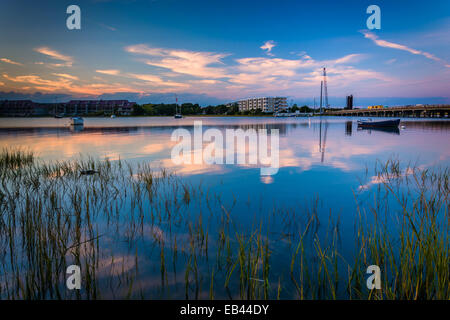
(325, 87)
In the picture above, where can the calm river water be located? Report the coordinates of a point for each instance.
(327, 156)
(327, 159)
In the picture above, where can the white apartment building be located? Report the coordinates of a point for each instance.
(266, 104)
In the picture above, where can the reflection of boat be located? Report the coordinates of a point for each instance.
(76, 121)
(384, 124)
(113, 116)
(393, 130)
(178, 116)
(77, 128)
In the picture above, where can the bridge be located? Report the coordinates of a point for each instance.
(418, 111)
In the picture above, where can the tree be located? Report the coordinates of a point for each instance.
(138, 110)
(209, 110)
(234, 109)
(257, 111)
(148, 109)
(221, 109)
(305, 109)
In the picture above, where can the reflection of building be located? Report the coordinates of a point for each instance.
(266, 104)
(23, 108)
(282, 127)
(348, 128)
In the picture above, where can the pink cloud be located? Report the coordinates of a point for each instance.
(112, 72)
(388, 44)
(55, 55)
(6, 60)
(182, 61)
(267, 46)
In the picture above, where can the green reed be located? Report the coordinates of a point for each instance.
(15, 158)
(132, 229)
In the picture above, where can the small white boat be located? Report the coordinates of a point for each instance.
(178, 116)
(113, 116)
(76, 121)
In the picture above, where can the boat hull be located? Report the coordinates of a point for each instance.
(378, 124)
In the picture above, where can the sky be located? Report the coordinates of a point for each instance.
(211, 52)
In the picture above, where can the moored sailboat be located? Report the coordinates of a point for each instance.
(178, 114)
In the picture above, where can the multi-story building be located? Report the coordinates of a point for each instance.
(266, 104)
(23, 108)
(122, 107)
(17, 108)
(349, 102)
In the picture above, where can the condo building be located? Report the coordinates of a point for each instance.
(266, 104)
(122, 107)
(17, 108)
(24, 108)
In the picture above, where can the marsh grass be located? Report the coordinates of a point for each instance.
(139, 232)
(412, 247)
(14, 158)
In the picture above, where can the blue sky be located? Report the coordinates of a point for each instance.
(219, 51)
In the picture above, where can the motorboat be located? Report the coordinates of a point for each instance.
(374, 124)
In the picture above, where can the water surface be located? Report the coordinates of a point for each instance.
(328, 160)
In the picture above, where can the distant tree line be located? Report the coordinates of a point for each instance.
(304, 109)
(163, 109)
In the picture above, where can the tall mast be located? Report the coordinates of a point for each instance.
(314, 104)
(321, 87)
(325, 86)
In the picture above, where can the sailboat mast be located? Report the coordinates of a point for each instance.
(325, 86)
(176, 104)
(321, 87)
